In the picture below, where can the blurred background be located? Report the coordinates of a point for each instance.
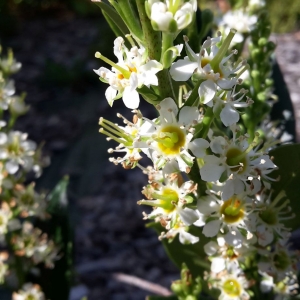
(55, 41)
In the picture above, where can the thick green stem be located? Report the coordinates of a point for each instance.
(152, 38)
(153, 45)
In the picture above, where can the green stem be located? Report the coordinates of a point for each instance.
(152, 38)
(153, 44)
(166, 56)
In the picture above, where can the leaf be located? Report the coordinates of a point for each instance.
(287, 159)
(191, 255)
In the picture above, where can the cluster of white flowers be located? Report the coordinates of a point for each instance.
(208, 174)
(20, 204)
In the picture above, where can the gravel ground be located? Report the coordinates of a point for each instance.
(110, 236)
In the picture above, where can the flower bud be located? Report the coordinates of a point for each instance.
(170, 16)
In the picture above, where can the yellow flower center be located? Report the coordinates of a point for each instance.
(232, 288)
(205, 61)
(236, 160)
(170, 140)
(168, 198)
(232, 210)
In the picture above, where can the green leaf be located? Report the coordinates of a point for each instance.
(191, 255)
(287, 159)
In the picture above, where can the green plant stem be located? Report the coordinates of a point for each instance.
(152, 38)
(166, 56)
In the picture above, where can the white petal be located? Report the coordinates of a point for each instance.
(187, 238)
(229, 115)
(131, 98)
(211, 248)
(207, 91)
(198, 147)
(168, 109)
(212, 169)
(12, 166)
(217, 264)
(234, 238)
(188, 215)
(183, 69)
(211, 228)
(218, 144)
(110, 94)
(187, 115)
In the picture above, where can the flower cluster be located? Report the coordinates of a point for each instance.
(209, 177)
(20, 203)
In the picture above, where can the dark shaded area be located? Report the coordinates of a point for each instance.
(56, 46)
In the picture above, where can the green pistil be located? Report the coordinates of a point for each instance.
(215, 62)
(232, 210)
(174, 6)
(232, 288)
(124, 72)
(166, 200)
(167, 139)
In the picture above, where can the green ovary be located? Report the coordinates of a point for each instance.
(169, 197)
(236, 158)
(232, 288)
(170, 140)
(232, 210)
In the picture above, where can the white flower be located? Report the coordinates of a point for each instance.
(229, 217)
(239, 20)
(166, 138)
(29, 291)
(132, 71)
(171, 15)
(125, 136)
(169, 197)
(210, 66)
(16, 151)
(236, 160)
(232, 284)
(226, 105)
(271, 216)
(7, 89)
(278, 262)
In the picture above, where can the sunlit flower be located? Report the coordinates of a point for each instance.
(171, 15)
(132, 71)
(169, 198)
(210, 66)
(235, 159)
(168, 138)
(232, 284)
(228, 217)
